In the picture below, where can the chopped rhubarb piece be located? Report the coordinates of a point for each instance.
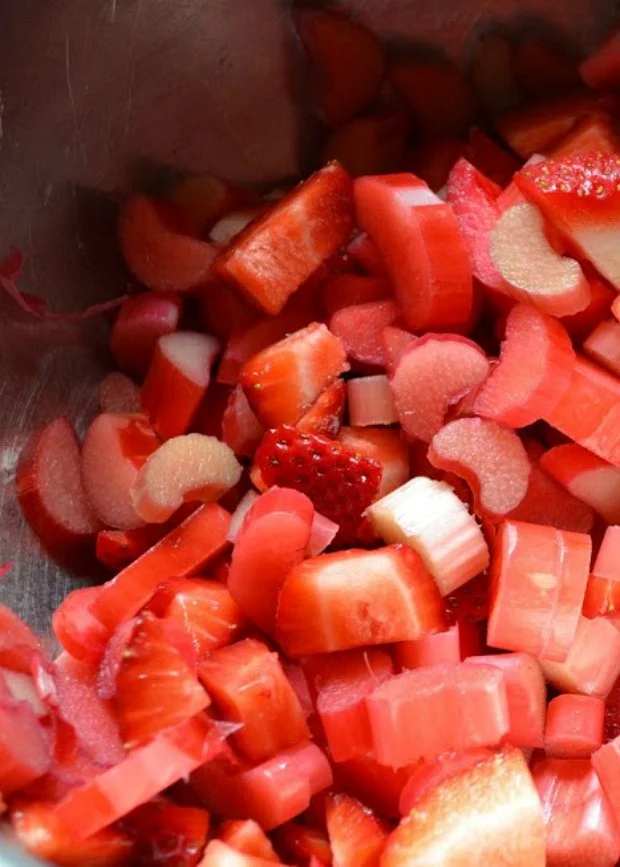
(364, 253)
(589, 411)
(348, 290)
(342, 682)
(207, 611)
(117, 548)
(38, 829)
(593, 133)
(184, 469)
(371, 144)
(453, 645)
(359, 328)
(492, 460)
(205, 198)
(233, 223)
(579, 196)
(248, 685)
(525, 693)
(376, 785)
(433, 373)
(311, 223)
(146, 771)
(393, 596)
(580, 824)
(574, 728)
(76, 628)
(607, 563)
(426, 711)
(158, 247)
(115, 448)
(241, 430)
(603, 345)
(439, 95)
(601, 70)
(118, 393)
(371, 401)
(539, 582)
(579, 325)
(284, 380)
(533, 373)
(239, 515)
(141, 321)
(593, 662)
(412, 228)
(185, 550)
(602, 597)
(177, 380)
(531, 269)
(272, 541)
(50, 489)
(387, 447)
(472, 195)
(25, 752)
(356, 835)
(322, 534)
(428, 516)
(347, 63)
(270, 793)
(587, 477)
(428, 774)
(546, 502)
(395, 341)
(247, 836)
(456, 823)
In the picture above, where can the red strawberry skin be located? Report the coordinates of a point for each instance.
(340, 482)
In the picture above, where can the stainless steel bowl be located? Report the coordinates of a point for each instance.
(91, 88)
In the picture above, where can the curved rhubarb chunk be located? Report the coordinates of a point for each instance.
(146, 771)
(433, 373)
(360, 327)
(574, 728)
(492, 460)
(587, 477)
(423, 712)
(525, 693)
(275, 254)
(347, 63)
(25, 752)
(531, 269)
(118, 393)
(283, 381)
(589, 411)
(177, 380)
(387, 447)
(428, 516)
(50, 489)
(356, 835)
(473, 196)
(534, 369)
(158, 248)
(141, 321)
(603, 345)
(185, 550)
(593, 662)
(459, 823)
(184, 469)
(115, 448)
(248, 685)
(371, 401)
(356, 598)
(579, 196)
(412, 229)
(272, 540)
(538, 586)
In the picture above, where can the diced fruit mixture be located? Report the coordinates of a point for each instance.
(356, 484)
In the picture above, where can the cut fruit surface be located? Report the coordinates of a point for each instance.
(587, 477)
(140, 322)
(593, 662)
(574, 727)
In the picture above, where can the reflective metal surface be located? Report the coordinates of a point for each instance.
(88, 88)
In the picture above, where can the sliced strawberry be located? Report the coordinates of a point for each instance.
(312, 221)
(300, 844)
(392, 594)
(341, 482)
(51, 493)
(117, 548)
(579, 195)
(36, 826)
(385, 446)
(167, 835)
(241, 430)
(18, 643)
(356, 835)
(158, 247)
(284, 380)
(360, 327)
(346, 290)
(325, 415)
(453, 825)
(155, 687)
(247, 836)
(207, 611)
(347, 63)
(376, 785)
(220, 854)
(141, 321)
(440, 97)
(223, 311)
(593, 133)
(429, 774)
(248, 686)
(612, 713)
(469, 603)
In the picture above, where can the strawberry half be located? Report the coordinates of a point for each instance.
(580, 196)
(340, 482)
(155, 687)
(168, 835)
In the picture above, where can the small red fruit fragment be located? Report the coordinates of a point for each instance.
(141, 321)
(118, 393)
(574, 727)
(587, 477)
(168, 835)
(359, 328)
(356, 835)
(593, 662)
(207, 611)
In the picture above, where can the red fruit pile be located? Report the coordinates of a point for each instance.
(359, 480)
